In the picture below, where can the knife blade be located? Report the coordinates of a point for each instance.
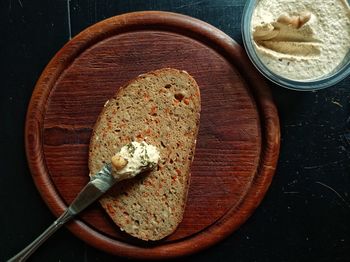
(98, 185)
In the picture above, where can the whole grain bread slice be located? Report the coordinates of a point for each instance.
(161, 107)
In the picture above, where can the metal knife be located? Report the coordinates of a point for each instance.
(98, 185)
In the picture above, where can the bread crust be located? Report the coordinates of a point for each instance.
(161, 107)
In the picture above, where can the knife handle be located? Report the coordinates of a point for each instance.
(27, 251)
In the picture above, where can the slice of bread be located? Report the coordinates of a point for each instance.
(162, 108)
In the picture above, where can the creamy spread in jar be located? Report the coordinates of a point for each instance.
(301, 40)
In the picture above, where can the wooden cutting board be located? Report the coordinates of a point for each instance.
(238, 141)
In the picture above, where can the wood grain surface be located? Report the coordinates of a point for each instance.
(238, 141)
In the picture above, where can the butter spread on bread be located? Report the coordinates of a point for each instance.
(139, 157)
(133, 159)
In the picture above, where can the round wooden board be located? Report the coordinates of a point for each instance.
(238, 140)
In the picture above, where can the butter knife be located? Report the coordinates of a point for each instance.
(98, 185)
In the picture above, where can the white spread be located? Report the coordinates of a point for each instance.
(139, 156)
(305, 50)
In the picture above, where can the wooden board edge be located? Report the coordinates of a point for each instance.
(35, 118)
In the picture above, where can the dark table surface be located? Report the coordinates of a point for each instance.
(305, 215)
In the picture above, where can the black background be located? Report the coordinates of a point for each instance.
(305, 215)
